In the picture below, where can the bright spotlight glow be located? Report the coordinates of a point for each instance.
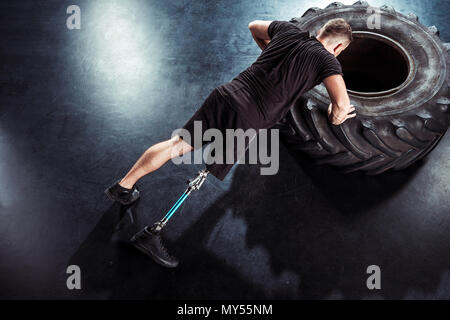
(125, 51)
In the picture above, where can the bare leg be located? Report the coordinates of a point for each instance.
(153, 158)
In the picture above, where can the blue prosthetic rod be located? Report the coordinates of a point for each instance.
(194, 184)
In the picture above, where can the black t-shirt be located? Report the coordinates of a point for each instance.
(291, 64)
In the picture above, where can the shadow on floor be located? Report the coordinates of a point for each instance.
(113, 269)
(311, 221)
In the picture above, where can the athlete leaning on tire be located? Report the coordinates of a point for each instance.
(291, 63)
(397, 75)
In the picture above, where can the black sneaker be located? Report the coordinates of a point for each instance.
(122, 195)
(149, 242)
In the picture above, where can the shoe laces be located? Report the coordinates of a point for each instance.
(162, 246)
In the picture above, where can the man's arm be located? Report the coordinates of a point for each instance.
(259, 31)
(340, 108)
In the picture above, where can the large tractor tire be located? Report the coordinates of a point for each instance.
(397, 77)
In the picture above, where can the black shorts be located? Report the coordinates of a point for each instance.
(215, 112)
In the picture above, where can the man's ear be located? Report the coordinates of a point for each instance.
(337, 48)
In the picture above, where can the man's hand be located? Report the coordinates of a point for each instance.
(340, 108)
(339, 116)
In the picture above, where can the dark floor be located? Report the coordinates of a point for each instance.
(79, 106)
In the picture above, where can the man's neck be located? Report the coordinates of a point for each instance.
(326, 45)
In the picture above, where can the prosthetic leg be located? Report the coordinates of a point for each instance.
(149, 240)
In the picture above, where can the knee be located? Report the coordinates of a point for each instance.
(175, 142)
(175, 139)
(179, 146)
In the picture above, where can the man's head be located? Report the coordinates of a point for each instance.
(335, 35)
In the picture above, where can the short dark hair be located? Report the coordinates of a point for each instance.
(337, 28)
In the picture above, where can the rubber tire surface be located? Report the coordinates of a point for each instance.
(389, 132)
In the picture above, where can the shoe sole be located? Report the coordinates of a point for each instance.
(111, 197)
(149, 253)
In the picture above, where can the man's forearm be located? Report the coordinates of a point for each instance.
(340, 108)
(260, 42)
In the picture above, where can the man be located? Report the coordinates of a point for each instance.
(291, 63)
